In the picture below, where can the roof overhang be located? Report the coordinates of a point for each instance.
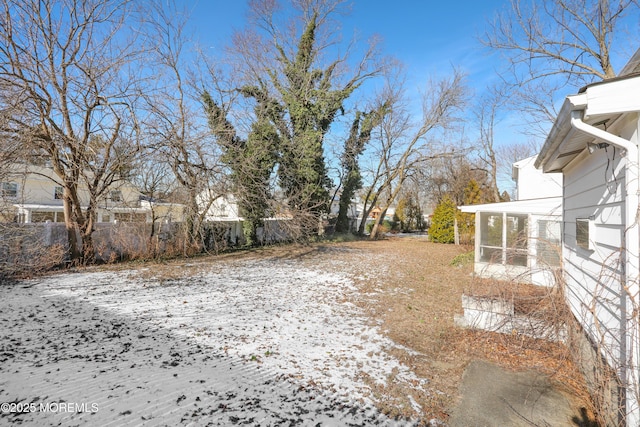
(601, 104)
(548, 206)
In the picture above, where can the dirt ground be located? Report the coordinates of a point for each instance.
(416, 292)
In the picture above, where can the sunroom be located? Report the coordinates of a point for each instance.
(518, 241)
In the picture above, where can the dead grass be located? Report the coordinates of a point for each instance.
(416, 294)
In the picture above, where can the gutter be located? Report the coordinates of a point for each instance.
(559, 133)
(630, 244)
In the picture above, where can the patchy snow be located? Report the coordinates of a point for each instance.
(262, 342)
(295, 322)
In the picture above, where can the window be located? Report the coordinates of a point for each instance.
(57, 193)
(129, 217)
(548, 243)
(116, 196)
(517, 240)
(584, 233)
(491, 238)
(503, 238)
(42, 216)
(138, 217)
(9, 189)
(106, 218)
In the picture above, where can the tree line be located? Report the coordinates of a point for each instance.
(289, 119)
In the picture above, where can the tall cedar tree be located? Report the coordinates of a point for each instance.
(304, 109)
(359, 136)
(409, 214)
(473, 195)
(251, 162)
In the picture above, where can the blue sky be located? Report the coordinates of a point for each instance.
(426, 35)
(429, 37)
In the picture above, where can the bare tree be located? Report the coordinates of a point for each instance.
(61, 69)
(487, 115)
(402, 145)
(449, 176)
(175, 125)
(508, 154)
(553, 44)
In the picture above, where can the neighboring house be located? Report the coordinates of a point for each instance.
(353, 211)
(225, 208)
(520, 240)
(31, 193)
(594, 143)
(163, 211)
(221, 208)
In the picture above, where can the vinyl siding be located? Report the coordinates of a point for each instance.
(594, 188)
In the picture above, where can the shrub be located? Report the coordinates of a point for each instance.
(463, 259)
(443, 221)
(385, 226)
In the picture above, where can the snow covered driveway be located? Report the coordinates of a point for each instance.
(253, 341)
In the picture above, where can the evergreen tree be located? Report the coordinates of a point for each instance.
(443, 221)
(359, 135)
(251, 162)
(400, 216)
(302, 109)
(414, 214)
(409, 214)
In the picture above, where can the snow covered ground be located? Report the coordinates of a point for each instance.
(254, 341)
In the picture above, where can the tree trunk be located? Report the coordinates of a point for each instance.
(69, 223)
(88, 252)
(376, 225)
(87, 228)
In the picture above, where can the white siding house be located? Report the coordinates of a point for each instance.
(219, 208)
(532, 184)
(520, 240)
(594, 143)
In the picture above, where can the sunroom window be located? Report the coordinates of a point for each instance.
(516, 240)
(548, 243)
(503, 238)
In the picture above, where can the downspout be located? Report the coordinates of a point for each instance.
(630, 244)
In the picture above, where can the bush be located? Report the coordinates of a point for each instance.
(443, 222)
(463, 259)
(385, 226)
(24, 251)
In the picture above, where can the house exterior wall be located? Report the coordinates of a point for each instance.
(601, 250)
(224, 208)
(35, 185)
(531, 183)
(594, 190)
(36, 194)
